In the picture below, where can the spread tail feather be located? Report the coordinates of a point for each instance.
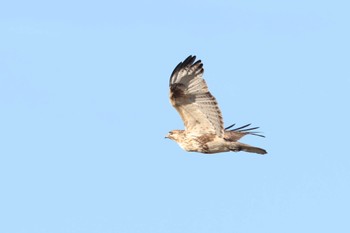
(237, 146)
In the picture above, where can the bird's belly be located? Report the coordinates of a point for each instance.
(190, 147)
(215, 147)
(211, 147)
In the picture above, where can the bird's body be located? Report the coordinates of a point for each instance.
(211, 143)
(206, 143)
(201, 115)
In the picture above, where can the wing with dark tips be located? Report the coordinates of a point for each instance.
(190, 96)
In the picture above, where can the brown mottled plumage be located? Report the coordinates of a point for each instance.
(201, 115)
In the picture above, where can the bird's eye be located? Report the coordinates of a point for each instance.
(170, 132)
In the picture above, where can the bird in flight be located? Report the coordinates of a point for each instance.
(204, 128)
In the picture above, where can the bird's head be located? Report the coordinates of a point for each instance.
(175, 135)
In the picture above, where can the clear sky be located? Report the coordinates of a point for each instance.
(84, 110)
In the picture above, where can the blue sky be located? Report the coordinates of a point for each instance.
(84, 110)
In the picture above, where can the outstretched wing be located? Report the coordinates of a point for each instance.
(190, 96)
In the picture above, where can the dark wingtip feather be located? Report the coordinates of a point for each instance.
(244, 129)
(257, 134)
(250, 129)
(244, 126)
(188, 61)
(229, 127)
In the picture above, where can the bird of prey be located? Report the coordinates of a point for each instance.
(204, 128)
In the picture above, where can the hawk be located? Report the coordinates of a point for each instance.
(204, 128)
